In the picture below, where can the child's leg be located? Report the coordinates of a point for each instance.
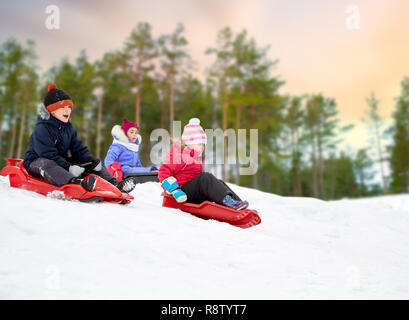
(104, 174)
(50, 171)
(205, 186)
(233, 195)
(126, 185)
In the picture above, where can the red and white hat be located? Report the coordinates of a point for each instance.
(193, 133)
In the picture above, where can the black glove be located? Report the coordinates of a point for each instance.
(97, 165)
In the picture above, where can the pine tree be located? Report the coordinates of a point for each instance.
(221, 70)
(104, 69)
(294, 121)
(85, 98)
(17, 77)
(322, 126)
(140, 49)
(399, 160)
(375, 123)
(311, 121)
(118, 97)
(343, 177)
(28, 85)
(175, 58)
(363, 165)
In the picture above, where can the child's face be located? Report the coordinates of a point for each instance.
(132, 134)
(62, 114)
(199, 148)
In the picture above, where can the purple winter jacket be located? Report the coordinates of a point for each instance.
(124, 151)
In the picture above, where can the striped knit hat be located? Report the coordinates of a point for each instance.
(193, 133)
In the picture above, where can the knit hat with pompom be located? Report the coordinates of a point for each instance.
(56, 98)
(126, 125)
(193, 133)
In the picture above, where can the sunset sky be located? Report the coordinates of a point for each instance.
(316, 50)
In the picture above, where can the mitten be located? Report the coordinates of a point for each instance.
(172, 187)
(179, 195)
(76, 171)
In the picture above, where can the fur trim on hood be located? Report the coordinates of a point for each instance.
(120, 135)
(42, 112)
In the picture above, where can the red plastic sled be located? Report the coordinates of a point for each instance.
(104, 191)
(209, 210)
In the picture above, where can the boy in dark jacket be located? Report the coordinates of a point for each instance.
(53, 137)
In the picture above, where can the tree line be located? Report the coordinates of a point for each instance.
(151, 81)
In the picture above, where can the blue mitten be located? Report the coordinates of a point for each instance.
(172, 187)
(179, 195)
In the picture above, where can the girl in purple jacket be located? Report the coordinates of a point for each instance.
(125, 148)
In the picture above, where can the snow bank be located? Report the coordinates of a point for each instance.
(304, 248)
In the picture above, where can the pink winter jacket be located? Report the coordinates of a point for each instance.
(184, 165)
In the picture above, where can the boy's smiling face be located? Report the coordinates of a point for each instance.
(62, 114)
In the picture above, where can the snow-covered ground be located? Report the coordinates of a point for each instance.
(304, 248)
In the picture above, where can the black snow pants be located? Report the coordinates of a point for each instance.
(58, 176)
(206, 186)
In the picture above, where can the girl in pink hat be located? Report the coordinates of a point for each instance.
(182, 172)
(123, 155)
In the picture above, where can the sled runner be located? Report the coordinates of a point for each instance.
(209, 210)
(143, 177)
(103, 191)
(140, 177)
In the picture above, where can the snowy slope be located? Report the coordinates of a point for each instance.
(304, 248)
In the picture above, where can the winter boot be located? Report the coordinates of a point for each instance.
(126, 185)
(88, 184)
(229, 202)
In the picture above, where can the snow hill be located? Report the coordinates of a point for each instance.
(304, 248)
